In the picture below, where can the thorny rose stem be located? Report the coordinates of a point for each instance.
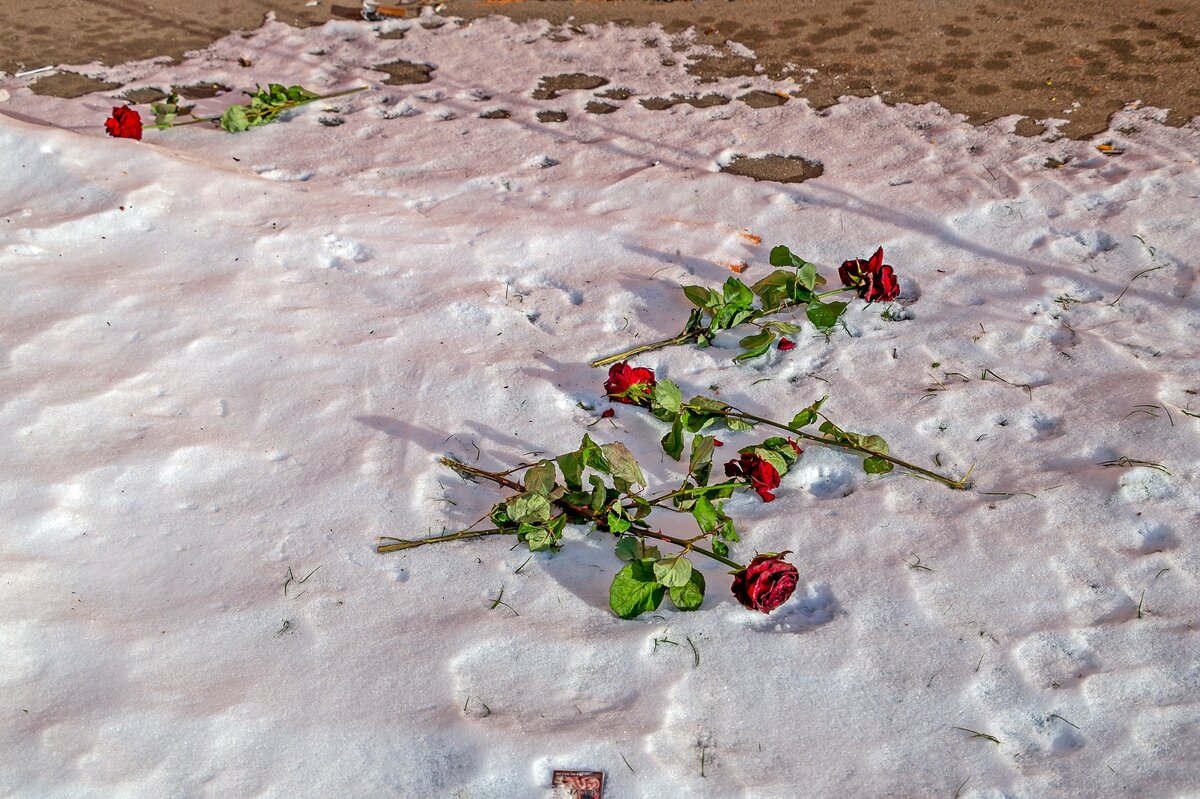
(684, 338)
(285, 107)
(462, 535)
(500, 479)
(829, 442)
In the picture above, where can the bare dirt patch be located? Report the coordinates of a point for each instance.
(778, 168)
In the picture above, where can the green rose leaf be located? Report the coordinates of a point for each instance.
(705, 514)
(539, 479)
(779, 279)
(529, 508)
(825, 314)
(629, 548)
(738, 425)
(737, 294)
(624, 466)
(300, 94)
(694, 422)
(672, 442)
(782, 447)
(641, 508)
(728, 531)
(633, 548)
(591, 454)
(698, 296)
(707, 404)
(775, 288)
(755, 345)
(772, 457)
(572, 470)
(808, 276)
(690, 595)
(666, 395)
(808, 415)
(234, 120)
(782, 256)
(756, 340)
(635, 590)
(873, 443)
(673, 572)
(877, 465)
(538, 538)
(700, 462)
(617, 524)
(599, 493)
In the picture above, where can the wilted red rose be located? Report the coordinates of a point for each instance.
(629, 384)
(607, 413)
(786, 344)
(125, 123)
(874, 280)
(761, 474)
(766, 583)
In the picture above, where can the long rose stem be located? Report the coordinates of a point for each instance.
(835, 291)
(829, 442)
(680, 492)
(688, 545)
(462, 535)
(285, 107)
(682, 338)
(587, 513)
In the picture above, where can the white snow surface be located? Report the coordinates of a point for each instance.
(224, 358)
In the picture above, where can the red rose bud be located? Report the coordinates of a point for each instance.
(874, 280)
(766, 583)
(785, 345)
(761, 475)
(607, 413)
(851, 272)
(795, 447)
(125, 123)
(629, 384)
(718, 442)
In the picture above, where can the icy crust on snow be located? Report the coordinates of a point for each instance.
(231, 360)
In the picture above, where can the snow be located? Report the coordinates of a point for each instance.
(231, 360)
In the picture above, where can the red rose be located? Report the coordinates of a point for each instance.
(766, 583)
(761, 474)
(125, 123)
(881, 286)
(795, 447)
(874, 280)
(629, 384)
(785, 344)
(607, 413)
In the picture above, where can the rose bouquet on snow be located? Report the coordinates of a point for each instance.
(601, 486)
(787, 289)
(265, 106)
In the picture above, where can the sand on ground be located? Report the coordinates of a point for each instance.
(1080, 60)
